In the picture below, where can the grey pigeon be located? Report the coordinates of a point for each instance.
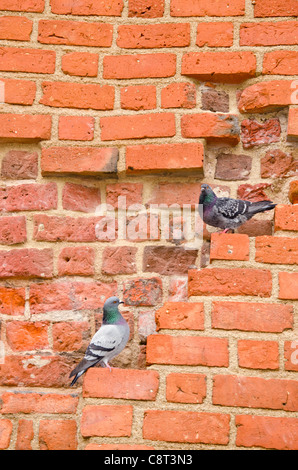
(108, 341)
(227, 213)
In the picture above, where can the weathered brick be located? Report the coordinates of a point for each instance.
(12, 301)
(71, 336)
(201, 8)
(133, 193)
(186, 388)
(87, 7)
(137, 126)
(82, 64)
(76, 128)
(186, 426)
(275, 33)
(143, 292)
(278, 164)
(292, 131)
(27, 336)
(256, 228)
(13, 230)
(58, 434)
(260, 133)
(25, 127)
(15, 28)
(268, 432)
(13, 59)
(76, 261)
(277, 250)
(28, 197)
(106, 420)
(157, 65)
(32, 402)
(130, 384)
(215, 34)
(178, 95)
(138, 97)
(5, 433)
(25, 435)
(176, 193)
(224, 66)
(251, 316)
(255, 392)
(237, 281)
(229, 246)
(119, 260)
(79, 161)
(76, 197)
(19, 164)
(75, 33)
(280, 63)
(77, 95)
(288, 286)
(26, 263)
(180, 316)
(165, 157)
(36, 6)
(293, 192)
(187, 350)
(212, 127)
(146, 8)
(267, 8)
(258, 354)
(153, 35)
(266, 96)
(168, 260)
(117, 447)
(286, 217)
(214, 100)
(252, 193)
(60, 228)
(232, 167)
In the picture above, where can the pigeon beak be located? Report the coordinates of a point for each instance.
(121, 302)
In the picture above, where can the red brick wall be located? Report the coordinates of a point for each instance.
(147, 99)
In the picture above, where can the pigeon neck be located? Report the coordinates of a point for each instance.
(111, 316)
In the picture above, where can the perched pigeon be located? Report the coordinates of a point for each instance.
(227, 213)
(107, 342)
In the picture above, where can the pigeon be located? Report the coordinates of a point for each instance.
(108, 341)
(227, 213)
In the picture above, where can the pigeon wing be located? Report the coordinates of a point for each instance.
(106, 340)
(231, 208)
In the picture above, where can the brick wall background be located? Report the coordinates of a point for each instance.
(146, 99)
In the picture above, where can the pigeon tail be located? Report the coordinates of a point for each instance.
(260, 206)
(81, 368)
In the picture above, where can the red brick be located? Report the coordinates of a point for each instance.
(138, 97)
(15, 28)
(292, 131)
(87, 7)
(216, 34)
(79, 161)
(117, 447)
(288, 286)
(179, 95)
(25, 435)
(264, 8)
(49, 297)
(232, 167)
(28, 197)
(165, 157)
(119, 260)
(214, 100)
(180, 316)
(76, 261)
(168, 260)
(130, 384)
(26, 263)
(18, 91)
(224, 66)
(201, 8)
(35, 371)
(29, 402)
(24, 127)
(106, 420)
(278, 164)
(291, 355)
(277, 250)
(138, 126)
(12, 301)
(237, 281)
(186, 427)
(212, 127)
(76, 128)
(82, 64)
(280, 63)
(267, 432)
(229, 247)
(275, 33)
(255, 392)
(76, 197)
(266, 96)
(186, 388)
(71, 336)
(258, 354)
(293, 192)
(286, 217)
(19, 164)
(145, 292)
(13, 230)
(27, 336)
(153, 35)
(133, 193)
(252, 193)
(187, 350)
(250, 316)
(13, 59)
(60, 228)
(260, 133)
(157, 65)
(58, 434)
(146, 8)
(5, 432)
(77, 95)
(256, 227)
(75, 33)
(36, 6)
(176, 193)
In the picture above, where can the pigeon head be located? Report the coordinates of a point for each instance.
(110, 310)
(207, 196)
